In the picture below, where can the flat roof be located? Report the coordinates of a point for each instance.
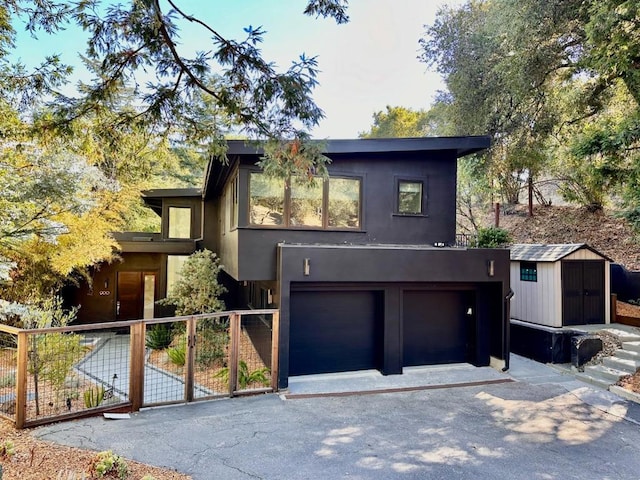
(463, 145)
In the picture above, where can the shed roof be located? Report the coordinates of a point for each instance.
(531, 252)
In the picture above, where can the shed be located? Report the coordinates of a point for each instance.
(560, 285)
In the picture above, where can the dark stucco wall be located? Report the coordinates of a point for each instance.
(393, 270)
(256, 246)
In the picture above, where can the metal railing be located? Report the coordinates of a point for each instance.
(53, 374)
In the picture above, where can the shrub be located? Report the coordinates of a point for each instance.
(159, 336)
(492, 237)
(8, 380)
(7, 449)
(107, 463)
(178, 354)
(197, 290)
(245, 377)
(212, 345)
(93, 397)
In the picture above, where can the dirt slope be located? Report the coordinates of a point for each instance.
(607, 233)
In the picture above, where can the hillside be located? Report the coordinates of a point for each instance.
(607, 233)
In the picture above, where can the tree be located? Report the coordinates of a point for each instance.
(142, 36)
(511, 66)
(198, 289)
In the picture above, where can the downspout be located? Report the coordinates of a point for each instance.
(506, 347)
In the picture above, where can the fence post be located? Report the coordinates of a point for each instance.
(136, 375)
(614, 308)
(21, 379)
(234, 324)
(189, 360)
(275, 349)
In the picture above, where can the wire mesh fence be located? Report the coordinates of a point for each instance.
(8, 358)
(64, 372)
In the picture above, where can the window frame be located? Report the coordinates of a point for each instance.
(286, 224)
(528, 271)
(423, 196)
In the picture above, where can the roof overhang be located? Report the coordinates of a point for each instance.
(217, 172)
(153, 197)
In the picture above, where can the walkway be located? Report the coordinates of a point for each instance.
(108, 364)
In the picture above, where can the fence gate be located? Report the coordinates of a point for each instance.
(52, 374)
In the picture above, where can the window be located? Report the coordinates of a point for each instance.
(409, 197)
(344, 203)
(528, 271)
(179, 222)
(306, 204)
(333, 203)
(266, 200)
(174, 265)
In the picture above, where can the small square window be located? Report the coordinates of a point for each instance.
(528, 271)
(409, 197)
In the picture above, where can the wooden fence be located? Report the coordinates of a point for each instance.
(623, 319)
(53, 374)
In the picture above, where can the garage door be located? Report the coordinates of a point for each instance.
(436, 327)
(334, 331)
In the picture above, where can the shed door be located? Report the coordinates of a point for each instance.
(437, 327)
(582, 292)
(334, 331)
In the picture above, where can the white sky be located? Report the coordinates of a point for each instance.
(367, 64)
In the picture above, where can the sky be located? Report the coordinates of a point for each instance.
(365, 65)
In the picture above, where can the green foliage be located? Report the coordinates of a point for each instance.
(93, 397)
(397, 122)
(159, 336)
(7, 449)
(246, 377)
(493, 237)
(8, 380)
(212, 345)
(178, 353)
(53, 355)
(197, 290)
(107, 463)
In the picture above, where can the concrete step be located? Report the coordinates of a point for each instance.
(593, 380)
(612, 375)
(630, 354)
(625, 364)
(632, 346)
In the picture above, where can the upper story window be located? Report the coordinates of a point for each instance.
(330, 204)
(528, 271)
(179, 222)
(410, 197)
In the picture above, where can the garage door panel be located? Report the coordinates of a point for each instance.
(333, 331)
(435, 327)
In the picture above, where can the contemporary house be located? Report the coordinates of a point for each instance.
(362, 264)
(556, 286)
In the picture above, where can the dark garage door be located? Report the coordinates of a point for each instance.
(334, 331)
(436, 327)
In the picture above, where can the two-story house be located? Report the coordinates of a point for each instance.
(362, 264)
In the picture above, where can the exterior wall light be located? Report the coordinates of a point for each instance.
(490, 268)
(306, 267)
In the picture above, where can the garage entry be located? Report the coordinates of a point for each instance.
(335, 331)
(438, 327)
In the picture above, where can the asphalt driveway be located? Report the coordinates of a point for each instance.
(541, 426)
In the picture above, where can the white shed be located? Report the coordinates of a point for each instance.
(560, 285)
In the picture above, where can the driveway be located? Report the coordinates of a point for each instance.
(543, 425)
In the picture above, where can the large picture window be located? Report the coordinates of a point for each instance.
(267, 200)
(179, 222)
(344, 203)
(334, 203)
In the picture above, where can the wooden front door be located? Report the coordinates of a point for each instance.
(582, 292)
(136, 295)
